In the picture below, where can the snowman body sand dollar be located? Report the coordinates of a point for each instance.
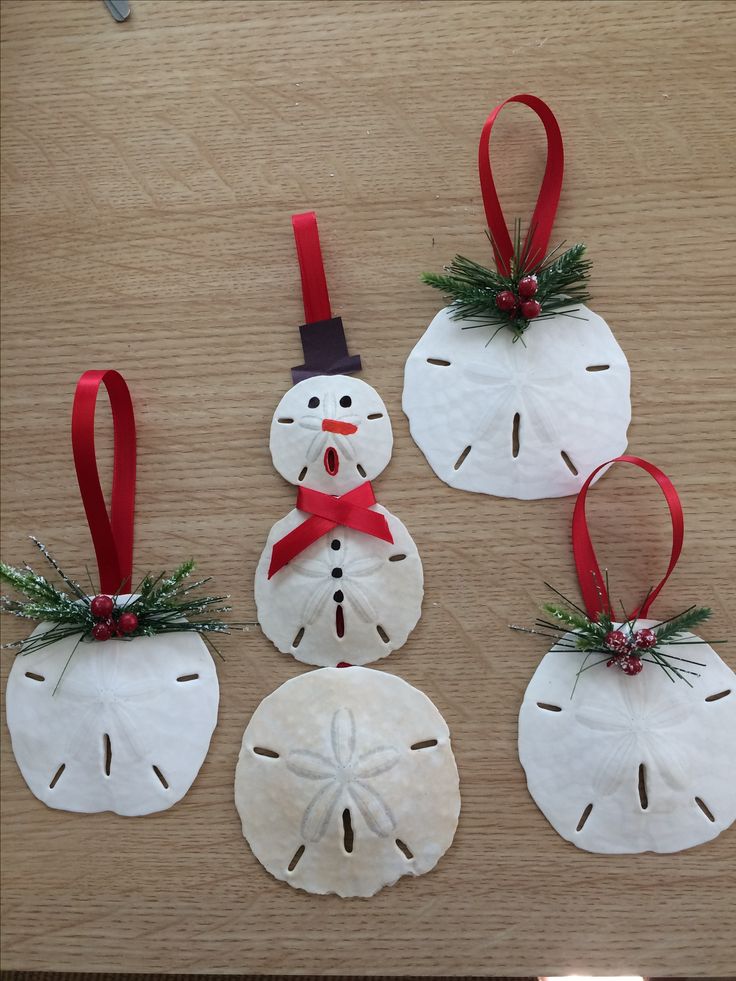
(346, 781)
(632, 764)
(348, 596)
(127, 727)
(518, 419)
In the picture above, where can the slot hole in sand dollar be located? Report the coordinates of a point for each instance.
(425, 744)
(303, 474)
(705, 809)
(515, 435)
(34, 677)
(643, 799)
(360, 469)
(584, 817)
(569, 464)
(462, 458)
(295, 860)
(397, 558)
(107, 746)
(55, 778)
(161, 777)
(382, 634)
(718, 695)
(439, 362)
(187, 677)
(548, 707)
(262, 751)
(348, 837)
(598, 367)
(408, 855)
(298, 639)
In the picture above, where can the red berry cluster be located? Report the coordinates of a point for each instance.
(109, 624)
(627, 650)
(522, 304)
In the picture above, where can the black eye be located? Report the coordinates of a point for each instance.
(313, 402)
(346, 401)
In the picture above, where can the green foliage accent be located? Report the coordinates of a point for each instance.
(163, 604)
(471, 289)
(573, 631)
(669, 630)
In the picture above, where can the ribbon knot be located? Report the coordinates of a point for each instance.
(351, 510)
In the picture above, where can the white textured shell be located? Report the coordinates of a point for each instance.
(340, 740)
(567, 379)
(589, 750)
(127, 691)
(299, 443)
(379, 592)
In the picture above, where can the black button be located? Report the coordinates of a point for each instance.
(338, 597)
(335, 545)
(337, 573)
(313, 402)
(346, 401)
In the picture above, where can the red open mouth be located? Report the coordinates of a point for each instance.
(331, 461)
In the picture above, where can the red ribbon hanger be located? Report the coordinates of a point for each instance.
(112, 534)
(323, 336)
(350, 510)
(309, 253)
(540, 228)
(592, 583)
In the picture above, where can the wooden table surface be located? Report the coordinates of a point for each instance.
(149, 173)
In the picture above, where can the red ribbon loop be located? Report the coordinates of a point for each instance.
(314, 284)
(350, 510)
(540, 228)
(592, 583)
(112, 534)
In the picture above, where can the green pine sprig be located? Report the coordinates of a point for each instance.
(471, 289)
(573, 630)
(163, 604)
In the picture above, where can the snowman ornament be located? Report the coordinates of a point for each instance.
(517, 388)
(340, 577)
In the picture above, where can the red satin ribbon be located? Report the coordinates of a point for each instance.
(112, 534)
(350, 510)
(540, 228)
(314, 284)
(592, 583)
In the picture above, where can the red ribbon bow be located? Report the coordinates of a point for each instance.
(352, 510)
(592, 582)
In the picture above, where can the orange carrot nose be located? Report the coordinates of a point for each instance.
(335, 426)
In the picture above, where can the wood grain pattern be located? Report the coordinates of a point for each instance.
(149, 172)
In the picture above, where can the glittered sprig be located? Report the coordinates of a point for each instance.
(532, 291)
(619, 645)
(163, 604)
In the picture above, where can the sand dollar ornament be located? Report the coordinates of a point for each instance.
(517, 388)
(627, 732)
(112, 700)
(346, 782)
(340, 578)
